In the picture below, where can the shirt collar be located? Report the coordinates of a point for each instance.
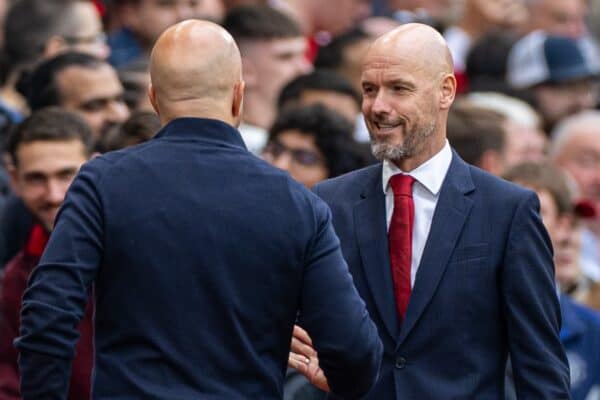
(204, 129)
(430, 174)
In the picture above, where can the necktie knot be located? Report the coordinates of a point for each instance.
(402, 184)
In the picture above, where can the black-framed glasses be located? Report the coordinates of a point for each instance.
(308, 158)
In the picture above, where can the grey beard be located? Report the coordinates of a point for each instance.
(411, 146)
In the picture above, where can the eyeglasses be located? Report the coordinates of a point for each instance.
(307, 158)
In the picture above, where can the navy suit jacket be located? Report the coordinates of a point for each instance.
(484, 288)
(202, 257)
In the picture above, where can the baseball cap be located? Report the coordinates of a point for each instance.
(542, 58)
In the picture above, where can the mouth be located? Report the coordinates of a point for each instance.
(383, 127)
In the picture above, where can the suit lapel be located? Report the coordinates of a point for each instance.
(451, 212)
(371, 235)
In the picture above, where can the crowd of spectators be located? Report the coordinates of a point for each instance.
(73, 81)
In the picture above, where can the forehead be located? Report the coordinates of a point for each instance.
(292, 45)
(78, 84)
(392, 66)
(48, 156)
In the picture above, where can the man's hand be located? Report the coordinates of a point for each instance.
(305, 360)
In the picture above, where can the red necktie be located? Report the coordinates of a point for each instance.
(400, 239)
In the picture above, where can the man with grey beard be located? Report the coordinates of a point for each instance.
(454, 264)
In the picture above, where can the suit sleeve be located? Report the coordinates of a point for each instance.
(532, 309)
(55, 299)
(335, 316)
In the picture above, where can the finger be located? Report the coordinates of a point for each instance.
(299, 363)
(302, 335)
(302, 348)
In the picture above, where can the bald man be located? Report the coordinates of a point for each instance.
(195, 294)
(454, 264)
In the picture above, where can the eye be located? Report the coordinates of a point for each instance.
(368, 89)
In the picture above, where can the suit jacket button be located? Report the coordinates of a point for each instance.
(400, 363)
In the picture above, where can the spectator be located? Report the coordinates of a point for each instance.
(480, 17)
(272, 49)
(580, 331)
(555, 70)
(325, 87)
(37, 29)
(524, 138)
(46, 150)
(575, 147)
(142, 21)
(81, 83)
(557, 17)
(478, 136)
(313, 143)
(344, 55)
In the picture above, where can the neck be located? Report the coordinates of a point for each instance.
(194, 109)
(258, 112)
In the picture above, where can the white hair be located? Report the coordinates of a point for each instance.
(513, 109)
(586, 121)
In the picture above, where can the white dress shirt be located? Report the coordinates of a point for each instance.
(429, 177)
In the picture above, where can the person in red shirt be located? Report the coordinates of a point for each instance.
(46, 152)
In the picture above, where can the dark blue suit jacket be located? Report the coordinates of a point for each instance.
(202, 257)
(484, 288)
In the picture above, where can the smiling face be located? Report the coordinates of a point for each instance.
(405, 100)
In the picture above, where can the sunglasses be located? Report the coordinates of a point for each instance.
(307, 158)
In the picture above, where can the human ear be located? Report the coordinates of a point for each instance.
(447, 91)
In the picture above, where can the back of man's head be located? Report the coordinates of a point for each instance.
(196, 71)
(259, 22)
(43, 90)
(477, 134)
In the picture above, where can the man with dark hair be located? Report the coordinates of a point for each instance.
(344, 55)
(46, 151)
(324, 87)
(81, 83)
(38, 29)
(313, 143)
(477, 134)
(273, 53)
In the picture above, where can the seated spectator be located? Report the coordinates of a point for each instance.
(524, 139)
(477, 134)
(556, 71)
(344, 54)
(575, 147)
(273, 53)
(46, 151)
(325, 87)
(83, 84)
(580, 331)
(41, 29)
(313, 143)
(140, 127)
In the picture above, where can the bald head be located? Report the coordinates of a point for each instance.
(418, 43)
(195, 70)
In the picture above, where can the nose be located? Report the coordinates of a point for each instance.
(380, 104)
(117, 111)
(55, 191)
(283, 161)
